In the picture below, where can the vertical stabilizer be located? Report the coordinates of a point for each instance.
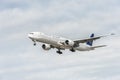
(90, 43)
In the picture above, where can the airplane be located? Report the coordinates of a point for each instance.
(61, 43)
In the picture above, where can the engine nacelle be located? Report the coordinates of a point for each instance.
(69, 43)
(46, 46)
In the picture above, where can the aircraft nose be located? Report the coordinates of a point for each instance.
(29, 35)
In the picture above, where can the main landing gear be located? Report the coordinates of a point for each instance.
(59, 52)
(72, 50)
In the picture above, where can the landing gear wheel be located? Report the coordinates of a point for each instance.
(34, 44)
(59, 52)
(72, 50)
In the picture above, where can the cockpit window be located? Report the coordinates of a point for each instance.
(31, 33)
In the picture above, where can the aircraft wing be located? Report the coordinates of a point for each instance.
(86, 40)
(90, 39)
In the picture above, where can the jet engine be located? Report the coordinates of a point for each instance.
(69, 43)
(46, 46)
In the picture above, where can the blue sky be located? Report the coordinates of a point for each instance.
(74, 19)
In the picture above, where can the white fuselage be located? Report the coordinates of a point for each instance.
(58, 42)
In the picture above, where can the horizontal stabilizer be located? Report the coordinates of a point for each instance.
(99, 46)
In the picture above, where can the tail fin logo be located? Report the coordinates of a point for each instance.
(90, 43)
(92, 35)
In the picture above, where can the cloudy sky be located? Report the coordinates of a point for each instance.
(74, 19)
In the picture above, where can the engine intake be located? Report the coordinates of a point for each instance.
(46, 46)
(69, 42)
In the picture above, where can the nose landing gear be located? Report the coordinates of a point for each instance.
(34, 44)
